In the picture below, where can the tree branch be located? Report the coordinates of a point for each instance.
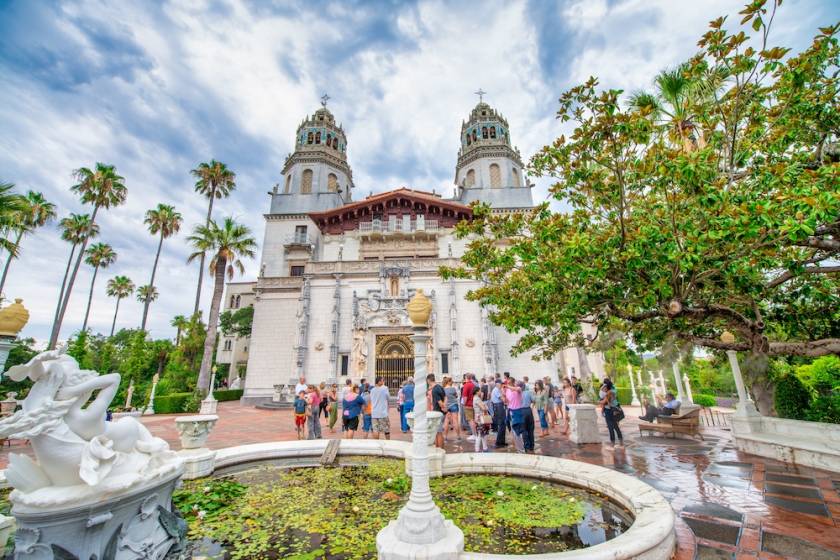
(714, 343)
(820, 243)
(787, 275)
(811, 349)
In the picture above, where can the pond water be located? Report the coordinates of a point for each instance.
(268, 511)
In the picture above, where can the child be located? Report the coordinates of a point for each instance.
(300, 413)
(367, 416)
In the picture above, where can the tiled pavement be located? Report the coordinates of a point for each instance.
(730, 505)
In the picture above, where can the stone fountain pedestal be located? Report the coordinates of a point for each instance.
(199, 461)
(140, 523)
(583, 423)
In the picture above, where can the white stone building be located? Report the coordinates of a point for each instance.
(336, 274)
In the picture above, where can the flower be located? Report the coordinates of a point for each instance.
(499, 493)
(390, 481)
(201, 514)
(355, 509)
(206, 489)
(195, 507)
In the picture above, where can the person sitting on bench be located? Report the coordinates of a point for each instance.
(671, 406)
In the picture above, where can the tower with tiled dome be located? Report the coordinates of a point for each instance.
(489, 167)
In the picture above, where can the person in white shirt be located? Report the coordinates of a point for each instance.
(301, 386)
(379, 396)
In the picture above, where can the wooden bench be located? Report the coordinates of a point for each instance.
(687, 422)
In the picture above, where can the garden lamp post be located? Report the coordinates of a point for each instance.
(209, 403)
(746, 406)
(635, 401)
(420, 530)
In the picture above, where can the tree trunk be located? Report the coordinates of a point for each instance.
(90, 298)
(114, 322)
(9, 261)
(178, 337)
(69, 290)
(212, 326)
(63, 287)
(201, 260)
(583, 361)
(152, 285)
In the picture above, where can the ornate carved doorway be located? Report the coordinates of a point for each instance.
(394, 359)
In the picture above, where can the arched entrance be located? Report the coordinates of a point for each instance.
(394, 359)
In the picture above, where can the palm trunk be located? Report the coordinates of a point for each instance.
(114, 322)
(178, 337)
(12, 253)
(212, 326)
(201, 260)
(90, 298)
(151, 288)
(63, 286)
(57, 325)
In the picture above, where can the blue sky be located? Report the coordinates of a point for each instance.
(157, 87)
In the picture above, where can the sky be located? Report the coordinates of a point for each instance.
(155, 88)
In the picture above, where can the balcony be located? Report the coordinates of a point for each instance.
(398, 225)
(298, 239)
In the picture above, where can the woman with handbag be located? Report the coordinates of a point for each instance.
(611, 410)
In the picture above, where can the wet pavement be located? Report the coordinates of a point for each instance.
(729, 505)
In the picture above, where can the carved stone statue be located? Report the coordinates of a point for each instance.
(129, 394)
(84, 463)
(360, 352)
(236, 383)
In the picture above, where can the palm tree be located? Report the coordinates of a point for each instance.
(103, 188)
(35, 213)
(180, 323)
(147, 293)
(228, 243)
(215, 180)
(165, 221)
(99, 255)
(119, 287)
(11, 204)
(76, 228)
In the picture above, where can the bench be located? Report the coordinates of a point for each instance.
(686, 422)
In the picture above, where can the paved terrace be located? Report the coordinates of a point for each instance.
(729, 505)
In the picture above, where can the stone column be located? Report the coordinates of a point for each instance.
(335, 327)
(663, 388)
(420, 530)
(688, 389)
(635, 401)
(678, 380)
(150, 408)
(746, 406)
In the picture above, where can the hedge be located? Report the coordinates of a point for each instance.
(228, 394)
(705, 400)
(624, 394)
(172, 403)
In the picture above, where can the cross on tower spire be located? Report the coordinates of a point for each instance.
(480, 93)
(324, 99)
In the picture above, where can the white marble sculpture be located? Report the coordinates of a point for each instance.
(79, 455)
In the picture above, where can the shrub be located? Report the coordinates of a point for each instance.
(705, 400)
(624, 394)
(228, 394)
(193, 403)
(792, 399)
(825, 408)
(171, 404)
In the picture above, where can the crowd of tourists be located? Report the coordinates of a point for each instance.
(490, 409)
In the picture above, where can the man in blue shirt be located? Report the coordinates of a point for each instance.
(408, 402)
(671, 406)
(499, 414)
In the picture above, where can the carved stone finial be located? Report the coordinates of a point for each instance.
(13, 318)
(419, 308)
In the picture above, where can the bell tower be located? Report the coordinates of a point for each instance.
(316, 176)
(489, 168)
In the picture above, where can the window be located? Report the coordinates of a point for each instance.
(473, 135)
(296, 270)
(329, 140)
(228, 344)
(317, 137)
(335, 142)
(444, 363)
(495, 176)
(306, 185)
(345, 364)
(232, 301)
(469, 140)
(516, 182)
(332, 183)
(471, 177)
(492, 132)
(238, 301)
(484, 132)
(288, 184)
(300, 234)
(309, 138)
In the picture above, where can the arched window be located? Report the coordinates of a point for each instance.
(288, 184)
(473, 135)
(516, 182)
(332, 183)
(306, 184)
(492, 132)
(470, 177)
(335, 142)
(469, 140)
(484, 132)
(238, 301)
(317, 137)
(495, 176)
(309, 138)
(232, 300)
(329, 140)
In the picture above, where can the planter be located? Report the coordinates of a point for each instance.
(433, 418)
(194, 430)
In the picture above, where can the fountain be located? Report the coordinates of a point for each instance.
(96, 489)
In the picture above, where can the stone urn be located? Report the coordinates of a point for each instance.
(194, 430)
(278, 393)
(419, 308)
(13, 318)
(433, 418)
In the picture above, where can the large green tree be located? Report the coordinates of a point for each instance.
(102, 187)
(213, 180)
(228, 243)
(34, 213)
(722, 216)
(165, 222)
(99, 255)
(119, 287)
